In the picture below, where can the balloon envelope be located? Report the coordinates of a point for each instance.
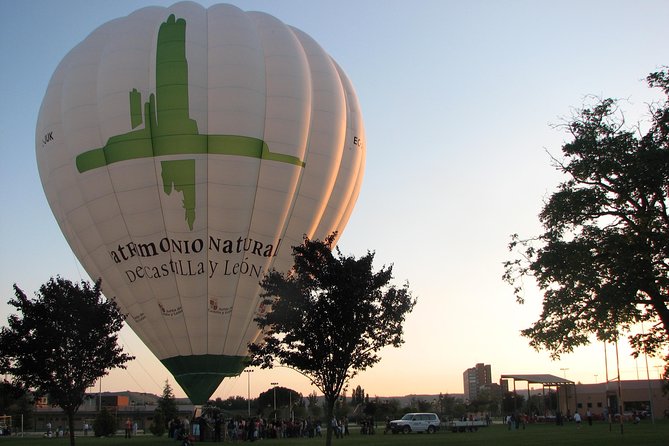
(183, 152)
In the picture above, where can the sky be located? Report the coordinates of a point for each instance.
(462, 102)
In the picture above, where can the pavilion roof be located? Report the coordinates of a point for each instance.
(544, 379)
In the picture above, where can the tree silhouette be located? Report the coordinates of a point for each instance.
(601, 261)
(330, 316)
(62, 342)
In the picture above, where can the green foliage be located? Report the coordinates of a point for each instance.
(63, 340)
(330, 316)
(104, 424)
(488, 400)
(159, 423)
(314, 408)
(512, 403)
(340, 409)
(15, 401)
(284, 397)
(386, 408)
(601, 261)
(233, 404)
(358, 396)
(167, 404)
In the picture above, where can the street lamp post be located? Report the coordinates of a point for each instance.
(566, 396)
(248, 394)
(275, 384)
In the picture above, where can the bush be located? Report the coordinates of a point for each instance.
(104, 424)
(157, 427)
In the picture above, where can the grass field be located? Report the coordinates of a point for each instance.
(644, 434)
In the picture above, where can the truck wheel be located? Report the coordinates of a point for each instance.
(430, 429)
(406, 429)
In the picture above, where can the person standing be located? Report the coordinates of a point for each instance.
(128, 428)
(217, 428)
(203, 427)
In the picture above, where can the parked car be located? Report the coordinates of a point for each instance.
(416, 422)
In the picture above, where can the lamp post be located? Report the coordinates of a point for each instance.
(248, 394)
(275, 384)
(566, 396)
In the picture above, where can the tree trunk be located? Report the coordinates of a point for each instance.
(70, 424)
(329, 416)
(658, 301)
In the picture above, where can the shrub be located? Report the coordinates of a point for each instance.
(157, 427)
(104, 424)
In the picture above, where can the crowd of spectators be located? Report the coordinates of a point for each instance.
(216, 428)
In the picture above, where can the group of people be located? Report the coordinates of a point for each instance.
(339, 427)
(129, 427)
(216, 428)
(58, 432)
(520, 420)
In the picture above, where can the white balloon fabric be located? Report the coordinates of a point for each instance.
(183, 152)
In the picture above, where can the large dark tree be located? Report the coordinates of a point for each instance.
(61, 342)
(602, 261)
(330, 316)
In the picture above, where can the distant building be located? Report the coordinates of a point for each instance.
(476, 378)
(641, 398)
(139, 407)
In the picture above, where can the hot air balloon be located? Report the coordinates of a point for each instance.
(183, 152)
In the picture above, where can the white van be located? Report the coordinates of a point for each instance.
(416, 422)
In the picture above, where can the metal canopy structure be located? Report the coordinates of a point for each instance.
(545, 379)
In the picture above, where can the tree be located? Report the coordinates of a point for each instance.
(64, 340)
(159, 423)
(167, 404)
(512, 402)
(284, 398)
(330, 316)
(601, 261)
(104, 424)
(386, 408)
(231, 404)
(314, 408)
(485, 401)
(358, 396)
(16, 402)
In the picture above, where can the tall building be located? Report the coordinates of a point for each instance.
(475, 378)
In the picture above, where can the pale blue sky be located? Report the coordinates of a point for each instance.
(458, 99)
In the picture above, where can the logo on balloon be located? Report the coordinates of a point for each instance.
(168, 129)
(216, 309)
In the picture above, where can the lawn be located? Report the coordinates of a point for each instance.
(644, 434)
